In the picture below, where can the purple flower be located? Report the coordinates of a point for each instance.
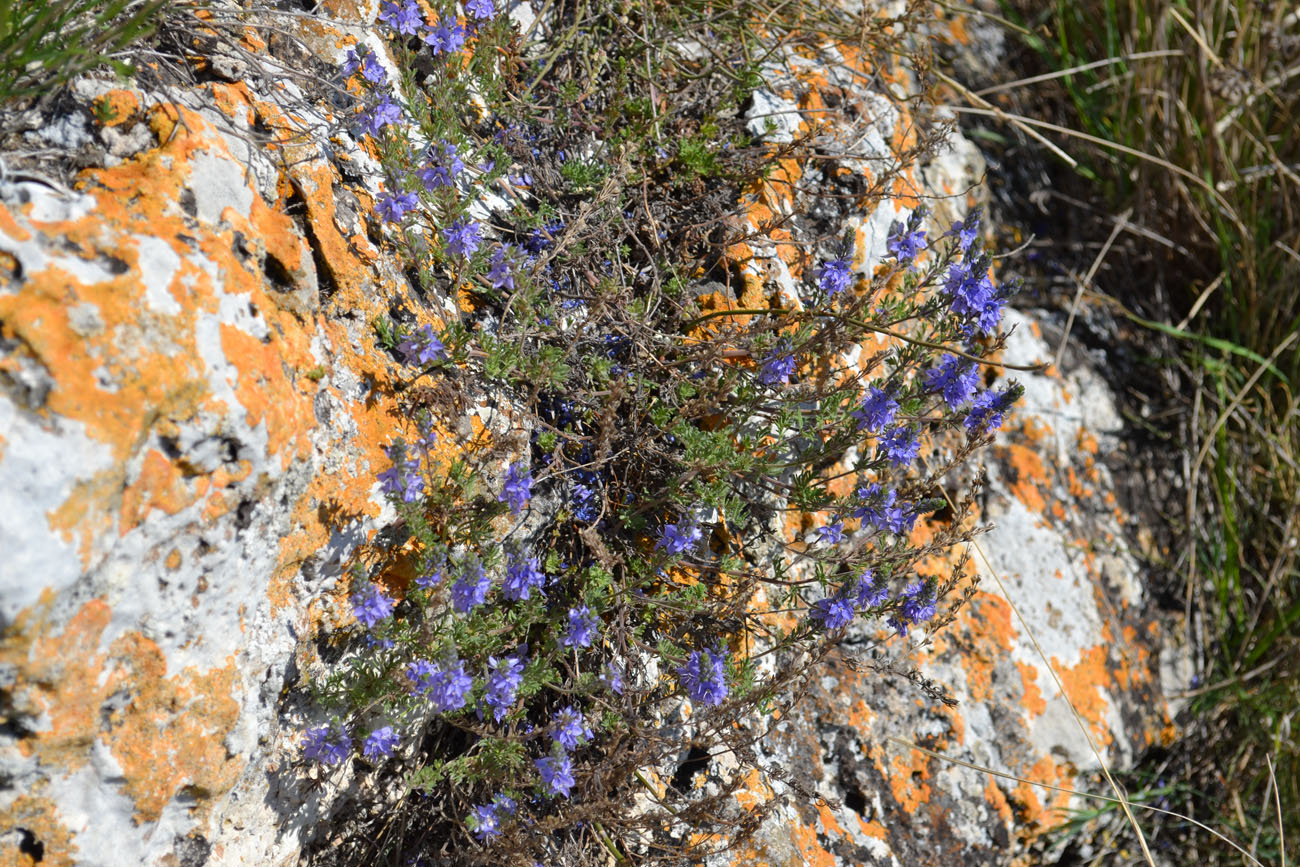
(432, 578)
(518, 488)
(679, 538)
(480, 9)
(868, 594)
(569, 729)
(462, 237)
(777, 367)
(582, 628)
(971, 293)
(556, 773)
(955, 378)
(704, 677)
(384, 112)
(989, 407)
(835, 277)
(393, 207)
(367, 62)
(832, 533)
(380, 743)
(405, 19)
(884, 513)
(447, 686)
(499, 274)
(503, 680)
(916, 605)
(613, 679)
(370, 606)
(878, 410)
(485, 822)
(441, 172)
(907, 242)
(327, 744)
(401, 479)
(833, 612)
(966, 231)
(445, 38)
(422, 346)
(900, 444)
(471, 588)
(522, 578)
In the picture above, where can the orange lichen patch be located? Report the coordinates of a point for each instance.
(907, 774)
(1032, 700)
(39, 817)
(1027, 465)
(1033, 810)
(159, 486)
(174, 559)
(167, 737)
(998, 800)
(986, 619)
(754, 792)
(812, 852)
(268, 394)
(1084, 686)
(117, 107)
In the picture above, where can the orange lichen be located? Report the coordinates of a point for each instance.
(39, 817)
(1085, 685)
(167, 737)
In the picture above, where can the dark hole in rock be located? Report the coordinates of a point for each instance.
(244, 514)
(697, 759)
(31, 846)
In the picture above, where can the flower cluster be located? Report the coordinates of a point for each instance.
(704, 677)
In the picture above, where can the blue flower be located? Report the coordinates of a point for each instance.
(907, 242)
(916, 605)
(989, 407)
(405, 19)
(582, 628)
(462, 237)
(384, 113)
(522, 578)
(878, 410)
(835, 277)
(367, 62)
(480, 9)
(613, 679)
(557, 774)
(392, 208)
(955, 378)
(679, 538)
(445, 38)
(485, 822)
(704, 677)
(422, 346)
(327, 744)
(499, 274)
(402, 479)
(442, 171)
(503, 680)
(569, 729)
(380, 743)
(833, 612)
(370, 606)
(868, 594)
(832, 533)
(884, 513)
(447, 686)
(972, 295)
(966, 231)
(900, 444)
(471, 588)
(777, 367)
(518, 488)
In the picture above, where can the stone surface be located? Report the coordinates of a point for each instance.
(192, 414)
